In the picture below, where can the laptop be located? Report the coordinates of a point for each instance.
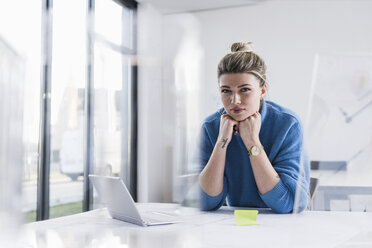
(115, 196)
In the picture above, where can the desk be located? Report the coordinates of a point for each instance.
(203, 229)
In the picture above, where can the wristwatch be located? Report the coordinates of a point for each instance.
(254, 151)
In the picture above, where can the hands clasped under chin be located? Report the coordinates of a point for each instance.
(248, 129)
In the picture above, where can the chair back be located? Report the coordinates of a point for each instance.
(314, 183)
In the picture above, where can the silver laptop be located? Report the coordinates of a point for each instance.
(115, 196)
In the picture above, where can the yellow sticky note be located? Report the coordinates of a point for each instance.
(245, 217)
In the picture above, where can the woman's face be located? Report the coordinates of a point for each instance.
(241, 94)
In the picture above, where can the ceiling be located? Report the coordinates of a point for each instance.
(178, 6)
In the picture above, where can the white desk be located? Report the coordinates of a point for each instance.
(203, 229)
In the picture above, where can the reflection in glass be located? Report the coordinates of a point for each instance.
(20, 67)
(340, 131)
(187, 110)
(107, 111)
(12, 72)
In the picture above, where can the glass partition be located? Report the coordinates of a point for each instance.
(19, 114)
(20, 74)
(184, 104)
(340, 131)
(12, 150)
(107, 116)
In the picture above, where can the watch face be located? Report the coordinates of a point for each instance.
(255, 150)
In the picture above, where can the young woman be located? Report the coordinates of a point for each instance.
(251, 149)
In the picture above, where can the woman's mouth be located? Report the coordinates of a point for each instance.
(237, 110)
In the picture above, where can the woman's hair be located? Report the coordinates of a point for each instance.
(243, 59)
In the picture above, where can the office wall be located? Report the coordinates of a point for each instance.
(287, 34)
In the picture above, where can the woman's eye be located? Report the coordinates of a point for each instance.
(245, 90)
(225, 91)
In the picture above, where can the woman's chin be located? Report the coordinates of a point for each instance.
(239, 117)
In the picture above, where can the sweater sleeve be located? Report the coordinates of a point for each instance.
(287, 163)
(208, 203)
(206, 148)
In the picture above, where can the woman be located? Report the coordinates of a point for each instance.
(251, 149)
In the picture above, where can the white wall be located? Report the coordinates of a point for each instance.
(286, 34)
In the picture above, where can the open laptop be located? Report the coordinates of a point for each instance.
(115, 196)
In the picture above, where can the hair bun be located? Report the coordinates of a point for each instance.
(242, 47)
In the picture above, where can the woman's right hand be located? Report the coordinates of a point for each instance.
(226, 130)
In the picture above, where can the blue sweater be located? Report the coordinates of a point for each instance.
(282, 138)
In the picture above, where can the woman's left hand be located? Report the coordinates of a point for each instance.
(249, 130)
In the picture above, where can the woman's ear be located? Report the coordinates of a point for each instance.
(263, 90)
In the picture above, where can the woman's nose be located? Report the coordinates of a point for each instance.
(235, 99)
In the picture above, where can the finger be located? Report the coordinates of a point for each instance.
(227, 117)
(230, 120)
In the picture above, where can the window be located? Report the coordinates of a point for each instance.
(114, 92)
(55, 141)
(68, 79)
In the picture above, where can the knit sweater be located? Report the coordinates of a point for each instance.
(281, 136)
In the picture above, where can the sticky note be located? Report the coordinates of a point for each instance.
(245, 217)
